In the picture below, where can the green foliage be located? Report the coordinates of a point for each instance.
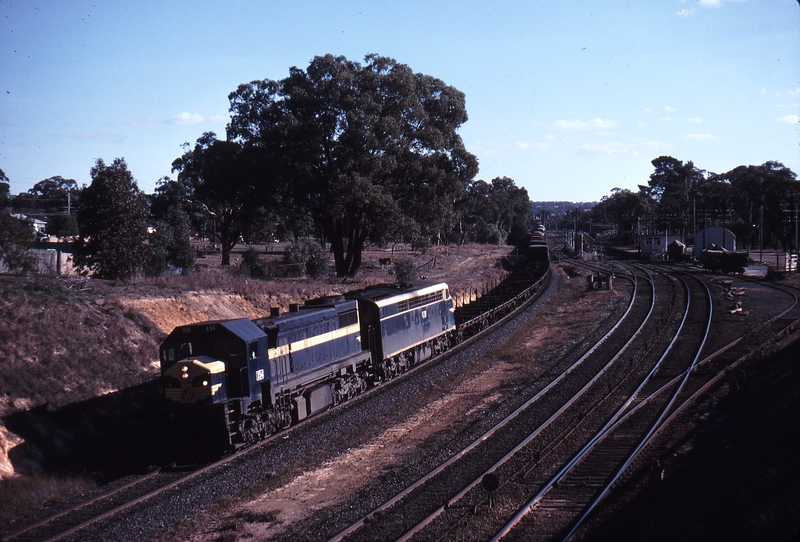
(518, 236)
(404, 270)
(62, 225)
(253, 265)
(156, 262)
(683, 198)
(112, 241)
(306, 257)
(490, 234)
(4, 191)
(358, 147)
(16, 237)
(420, 242)
(230, 185)
(171, 238)
(500, 204)
(623, 209)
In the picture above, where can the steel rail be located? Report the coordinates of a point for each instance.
(405, 492)
(524, 443)
(526, 296)
(655, 426)
(599, 436)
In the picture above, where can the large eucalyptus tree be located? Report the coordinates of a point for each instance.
(360, 148)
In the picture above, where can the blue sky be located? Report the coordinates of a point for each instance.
(569, 99)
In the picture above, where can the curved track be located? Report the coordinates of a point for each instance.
(488, 310)
(548, 478)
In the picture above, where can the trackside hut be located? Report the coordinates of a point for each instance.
(654, 246)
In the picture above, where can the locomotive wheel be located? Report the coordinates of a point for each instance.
(286, 419)
(246, 429)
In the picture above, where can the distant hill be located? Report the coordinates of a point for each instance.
(557, 207)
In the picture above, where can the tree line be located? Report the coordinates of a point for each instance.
(342, 152)
(758, 203)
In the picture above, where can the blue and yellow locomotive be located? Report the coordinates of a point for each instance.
(232, 382)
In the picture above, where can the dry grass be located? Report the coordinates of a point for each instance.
(24, 493)
(65, 346)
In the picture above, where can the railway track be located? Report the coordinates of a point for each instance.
(457, 508)
(534, 427)
(545, 487)
(489, 309)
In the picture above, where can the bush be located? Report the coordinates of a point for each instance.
(306, 257)
(404, 270)
(490, 234)
(421, 243)
(253, 265)
(156, 262)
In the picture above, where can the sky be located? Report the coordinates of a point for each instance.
(569, 99)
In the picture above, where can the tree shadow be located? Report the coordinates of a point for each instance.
(106, 437)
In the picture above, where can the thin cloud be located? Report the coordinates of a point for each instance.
(696, 120)
(610, 148)
(548, 143)
(687, 12)
(186, 119)
(716, 3)
(790, 119)
(669, 109)
(699, 137)
(594, 124)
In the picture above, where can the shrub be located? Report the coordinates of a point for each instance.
(306, 257)
(420, 242)
(404, 270)
(253, 265)
(156, 262)
(490, 234)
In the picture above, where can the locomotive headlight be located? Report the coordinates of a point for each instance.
(185, 372)
(185, 375)
(205, 382)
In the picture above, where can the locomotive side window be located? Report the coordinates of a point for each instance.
(348, 318)
(228, 347)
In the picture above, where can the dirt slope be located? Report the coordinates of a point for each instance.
(72, 340)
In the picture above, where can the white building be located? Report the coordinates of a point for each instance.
(654, 246)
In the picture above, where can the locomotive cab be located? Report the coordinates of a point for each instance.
(216, 360)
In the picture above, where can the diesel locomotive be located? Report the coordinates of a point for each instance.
(233, 382)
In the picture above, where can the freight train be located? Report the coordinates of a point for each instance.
(537, 247)
(233, 382)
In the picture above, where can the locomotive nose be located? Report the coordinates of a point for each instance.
(192, 380)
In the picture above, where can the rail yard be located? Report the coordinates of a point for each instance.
(539, 427)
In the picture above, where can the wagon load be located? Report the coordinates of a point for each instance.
(716, 259)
